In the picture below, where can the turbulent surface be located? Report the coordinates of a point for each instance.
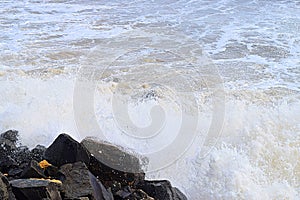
(255, 46)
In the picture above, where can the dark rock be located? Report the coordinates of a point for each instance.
(33, 170)
(38, 153)
(7, 162)
(131, 194)
(31, 189)
(115, 186)
(15, 172)
(79, 182)
(13, 158)
(99, 190)
(66, 150)
(52, 171)
(162, 190)
(9, 139)
(23, 156)
(110, 164)
(5, 189)
(8, 147)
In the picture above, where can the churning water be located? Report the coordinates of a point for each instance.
(208, 91)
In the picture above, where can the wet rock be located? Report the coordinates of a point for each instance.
(79, 182)
(5, 189)
(8, 146)
(7, 163)
(66, 150)
(51, 171)
(38, 152)
(30, 189)
(131, 194)
(110, 163)
(15, 172)
(99, 189)
(85, 169)
(8, 140)
(33, 170)
(22, 156)
(162, 190)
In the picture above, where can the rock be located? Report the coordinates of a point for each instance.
(5, 189)
(7, 162)
(131, 194)
(66, 150)
(7, 149)
(79, 182)
(161, 190)
(30, 189)
(38, 153)
(33, 170)
(51, 171)
(15, 172)
(23, 155)
(9, 139)
(109, 163)
(13, 158)
(99, 190)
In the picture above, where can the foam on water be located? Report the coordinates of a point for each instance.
(253, 44)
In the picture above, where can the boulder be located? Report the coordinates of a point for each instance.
(29, 189)
(162, 190)
(8, 147)
(109, 163)
(78, 182)
(8, 140)
(38, 153)
(23, 156)
(13, 158)
(5, 189)
(15, 172)
(51, 171)
(66, 150)
(131, 194)
(7, 162)
(33, 170)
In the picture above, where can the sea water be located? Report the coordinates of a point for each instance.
(207, 91)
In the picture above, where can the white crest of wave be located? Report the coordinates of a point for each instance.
(257, 156)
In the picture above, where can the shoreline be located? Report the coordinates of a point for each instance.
(67, 169)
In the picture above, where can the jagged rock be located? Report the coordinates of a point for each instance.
(15, 172)
(79, 182)
(7, 163)
(8, 146)
(99, 190)
(30, 189)
(5, 189)
(23, 155)
(9, 139)
(33, 170)
(109, 163)
(66, 150)
(161, 190)
(131, 194)
(13, 158)
(38, 152)
(83, 168)
(51, 171)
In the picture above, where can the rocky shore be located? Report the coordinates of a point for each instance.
(73, 170)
